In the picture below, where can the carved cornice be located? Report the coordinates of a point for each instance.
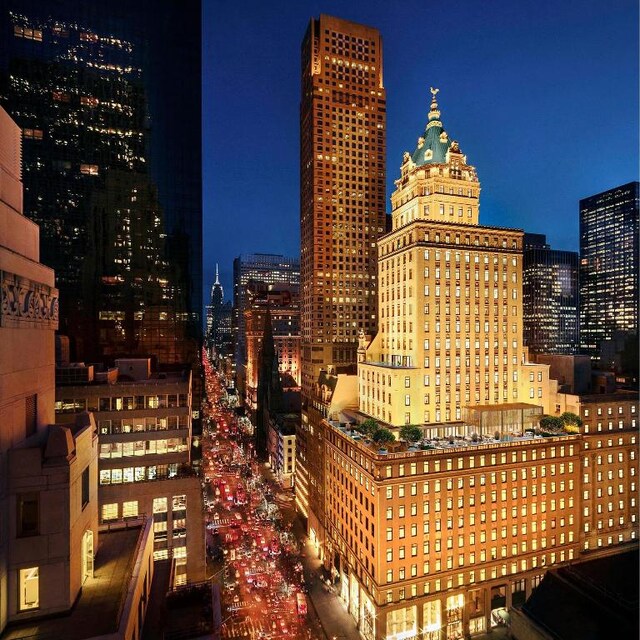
(27, 304)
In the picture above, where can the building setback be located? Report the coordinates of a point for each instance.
(549, 297)
(438, 537)
(609, 269)
(342, 213)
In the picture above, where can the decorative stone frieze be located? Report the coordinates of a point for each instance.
(26, 303)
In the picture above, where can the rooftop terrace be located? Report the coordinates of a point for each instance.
(98, 610)
(436, 445)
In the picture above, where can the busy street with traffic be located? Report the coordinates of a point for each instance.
(251, 548)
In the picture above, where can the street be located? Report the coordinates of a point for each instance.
(252, 551)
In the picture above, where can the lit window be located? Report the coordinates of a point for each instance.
(159, 505)
(130, 509)
(110, 511)
(29, 588)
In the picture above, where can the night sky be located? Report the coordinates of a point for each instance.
(542, 97)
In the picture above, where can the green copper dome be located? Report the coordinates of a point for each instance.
(434, 143)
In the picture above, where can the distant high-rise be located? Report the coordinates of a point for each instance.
(219, 320)
(282, 302)
(266, 268)
(549, 297)
(109, 175)
(609, 267)
(342, 214)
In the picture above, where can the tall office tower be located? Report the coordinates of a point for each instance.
(450, 333)
(609, 268)
(549, 297)
(113, 182)
(219, 334)
(253, 268)
(342, 213)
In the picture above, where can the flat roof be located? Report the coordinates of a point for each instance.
(97, 611)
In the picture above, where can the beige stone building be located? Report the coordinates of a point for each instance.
(281, 447)
(450, 298)
(144, 425)
(441, 537)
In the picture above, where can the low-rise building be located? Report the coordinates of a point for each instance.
(281, 447)
(144, 424)
(115, 594)
(445, 535)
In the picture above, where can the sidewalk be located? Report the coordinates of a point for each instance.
(334, 619)
(336, 622)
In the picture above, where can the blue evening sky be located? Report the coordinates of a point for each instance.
(542, 96)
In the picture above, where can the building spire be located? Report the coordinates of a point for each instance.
(434, 113)
(217, 278)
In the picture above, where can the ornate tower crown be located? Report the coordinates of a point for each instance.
(434, 142)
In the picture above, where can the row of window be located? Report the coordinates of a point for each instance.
(136, 425)
(138, 474)
(124, 403)
(142, 448)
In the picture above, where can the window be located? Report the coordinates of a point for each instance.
(28, 522)
(85, 487)
(29, 580)
(159, 505)
(110, 511)
(130, 509)
(31, 414)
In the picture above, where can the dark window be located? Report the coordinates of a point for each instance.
(85, 487)
(28, 514)
(31, 414)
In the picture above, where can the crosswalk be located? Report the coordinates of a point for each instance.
(248, 628)
(221, 522)
(236, 606)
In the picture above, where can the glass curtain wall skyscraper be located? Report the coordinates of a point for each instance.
(609, 268)
(549, 297)
(110, 176)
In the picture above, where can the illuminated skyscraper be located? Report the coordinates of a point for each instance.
(450, 294)
(342, 213)
(609, 267)
(549, 297)
(219, 320)
(115, 188)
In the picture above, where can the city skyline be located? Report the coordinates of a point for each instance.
(479, 76)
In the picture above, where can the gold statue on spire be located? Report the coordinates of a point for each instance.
(434, 92)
